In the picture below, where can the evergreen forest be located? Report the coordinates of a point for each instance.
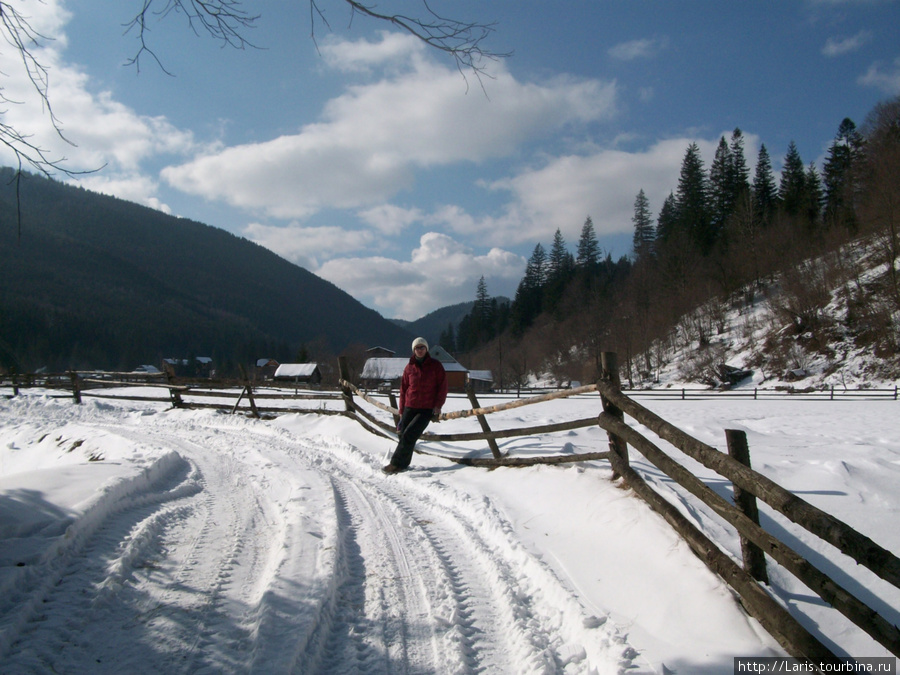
(723, 238)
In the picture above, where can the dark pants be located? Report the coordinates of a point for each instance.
(412, 424)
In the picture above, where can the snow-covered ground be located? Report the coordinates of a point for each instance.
(137, 538)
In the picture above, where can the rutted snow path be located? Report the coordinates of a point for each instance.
(240, 546)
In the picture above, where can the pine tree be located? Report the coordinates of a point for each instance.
(527, 304)
(721, 187)
(666, 221)
(588, 248)
(839, 176)
(765, 196)
(792, 188)
(740, 172)
(814, 197)
(644, 232)
(557, 260)
(692, 200)
(560, 268)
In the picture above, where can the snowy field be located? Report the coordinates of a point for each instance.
(137, 538)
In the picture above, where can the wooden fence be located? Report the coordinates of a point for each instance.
(747, 580)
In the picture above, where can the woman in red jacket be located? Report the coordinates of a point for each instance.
(423, 391)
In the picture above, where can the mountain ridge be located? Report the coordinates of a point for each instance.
(95, 281)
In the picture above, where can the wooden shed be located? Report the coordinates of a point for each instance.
(298, 373)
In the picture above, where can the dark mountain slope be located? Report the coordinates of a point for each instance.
(96, 282)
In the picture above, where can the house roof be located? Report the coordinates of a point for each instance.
(384, 368)
(296, 369)
(481, 375)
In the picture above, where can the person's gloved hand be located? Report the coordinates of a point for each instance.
(436, 415)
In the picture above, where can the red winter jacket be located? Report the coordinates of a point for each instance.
(424, 385)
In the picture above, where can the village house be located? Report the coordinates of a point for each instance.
(264, 369)
(299, 373)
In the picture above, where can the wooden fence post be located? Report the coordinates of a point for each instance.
(482, 420)
(346, 393)
(610, 373)
(754, 558)
(76, 391)
(249, 389)
(393, 402)
(174, 394)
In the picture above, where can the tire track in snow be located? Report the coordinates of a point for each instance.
(56, 607)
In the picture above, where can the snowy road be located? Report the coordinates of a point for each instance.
(218, 544)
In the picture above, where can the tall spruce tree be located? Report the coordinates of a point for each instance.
(692, 200)
(839, 176)
(560, 268)
(721, 187)
(666, 222)
(644, 232)
(588, 247)
(740, 172)
(528, 302)
(814, 197)
(792, 188)
(764, 193)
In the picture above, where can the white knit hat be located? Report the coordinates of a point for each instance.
(419, 341)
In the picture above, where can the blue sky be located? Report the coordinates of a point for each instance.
(372, 162)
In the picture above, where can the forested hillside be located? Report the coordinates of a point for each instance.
(820, 248)
(98, 282)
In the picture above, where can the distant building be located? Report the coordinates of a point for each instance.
(299, 373)
(264, 369)
(201, 366)
(481, 380)
(457, 374)
(383, 372)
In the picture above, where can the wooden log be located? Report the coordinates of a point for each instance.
(492, 462)
(346, 388)
(825, 587)
(520, 402)
(837, 533)
(513, 433)
(610, 376)
(482, 420)
(792, 636)
(754, 559)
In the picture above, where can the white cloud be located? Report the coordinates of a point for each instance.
(390, 219)
(886, 78)
(363, 56)
(637, 49)
(309, 246)
(441, 271)
(839, 47)
(87, 131)
(374, 137)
